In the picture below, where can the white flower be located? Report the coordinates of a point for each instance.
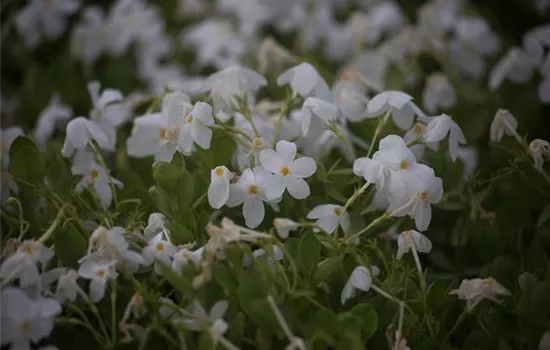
(90, 36)
(224, 86)
(156, 223)
(99, 274)
(439, 127)
(94, 175)
(438, 93)
(54, 112)
(350, 95)
(159, 134)
(421, 189)
(24, 320)
(80, 131)
(412, 239)
(67, 286)
(249, 190)
(111, 245)
(305, 81)
(217, 326)
(477, 289)
(540, 151)
(468, 156)
(504, 123)
(283, 226)
(323, 112)
(22, 264)
(218, 191)
(7, 136)
(183, 256)
(329, 216)
(287, 172)
(44, 19)
(398, 104)
(195, 128)
(515, 66)
(159, 250)
(361, 278)
(272, 55)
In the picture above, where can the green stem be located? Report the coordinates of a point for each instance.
(356, 195)
(460, 319)
(371, 225)
(53, 226)
(377, 132)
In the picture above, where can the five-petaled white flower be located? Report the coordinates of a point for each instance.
(504, 123)
(400, 106)
(477, 289)
(315, 113)
(99, 273)
(329, 216)
(48, 118)
(218, 191)
(22, 264)
(287, 172)
(439, 127)
(159, 250)
(283, 226)
(361, 278)
(25, 320)
(540, 151)
(195, 127)
(305, 81)
(438, 93)
(249, 190)
(412, 239)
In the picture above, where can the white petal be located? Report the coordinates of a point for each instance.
(345, 222)
(297, 187)
(271, 160)
(203, 112)
(361, 278)
(274, 187)
(421, 242)
(328, 223)
(254, 211)
(218, 191)
(321, 211)
(303, 167)
(286, 150)
(422, 215)
(97, 289)
(201, 134)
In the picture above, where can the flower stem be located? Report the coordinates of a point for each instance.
(377, 132)
(356, 195)
(280, 318)
(53, 226)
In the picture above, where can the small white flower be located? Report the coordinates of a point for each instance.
(515, 66)
(398, 104)
(477, 289)
(159, 250)
(218, 191)
(24, 320)
(439, 127)
(438, 93)
(361, 278)
(540, 151)
(287, 172)
(283, 226)
(305, 81)
(66, 287)
(329, 216)
(323, 112)
(412, 239)
(183, 256)
(350, 95)
(196, 128)
(249, 190)
(217, 326)
(504, 123)
(48, 118)
(22, 264)
(272, 55)
(469, 157)
(156, 223)
(99, 274)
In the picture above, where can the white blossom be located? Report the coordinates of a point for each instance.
(216, 324)
(305, 81)
(398, 104)
(540, 151)
(361, 278)
(156, 223)
(315, 113)
(515, 66)
(159, 250)
(329, 217)
(196, 128)
(99, 274)
(23, 264)
(412, 239)
(477, 289)
(25, 320)
(283, 226)
(439, 127)
(48, 119)
(438, 93)
(504, 123)
(287, 172)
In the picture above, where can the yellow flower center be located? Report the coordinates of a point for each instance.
(160, 246)
(100, 273)
(28, 249)
(94, 174)
(219, 172)
(285, 171)
(338, 211)
(418, 129)
(404, 164)
(424, 195)
(162, 133)
(26, 326)
(253, 189)
(189, 119)
(258, 142)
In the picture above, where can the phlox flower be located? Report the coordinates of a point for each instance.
(305, 81)
(158, 250)
(361, 278)
(156, 223)
(23, 264)
(24, 320)
(439, 127)
(398, 104)
(67, 287)
(48, 118)
(195, 128)
(315, 113)
(183, 256)
(477, 289)
(287, 172)
(504, 123)
(218, 190)
(438, 93)
(99, 273)
(329, 216)
(540, 151)
(411, 239)
(283, 226)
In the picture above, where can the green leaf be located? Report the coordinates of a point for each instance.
(326, 268)
(221, 150)
(323, 320)
(167, 175)
(26, 161)
(236, 329)
(310, 253)
(544, 216)
(181, 284)
(370, 319)
(185, 191)
(438, 294)
(69, 246)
